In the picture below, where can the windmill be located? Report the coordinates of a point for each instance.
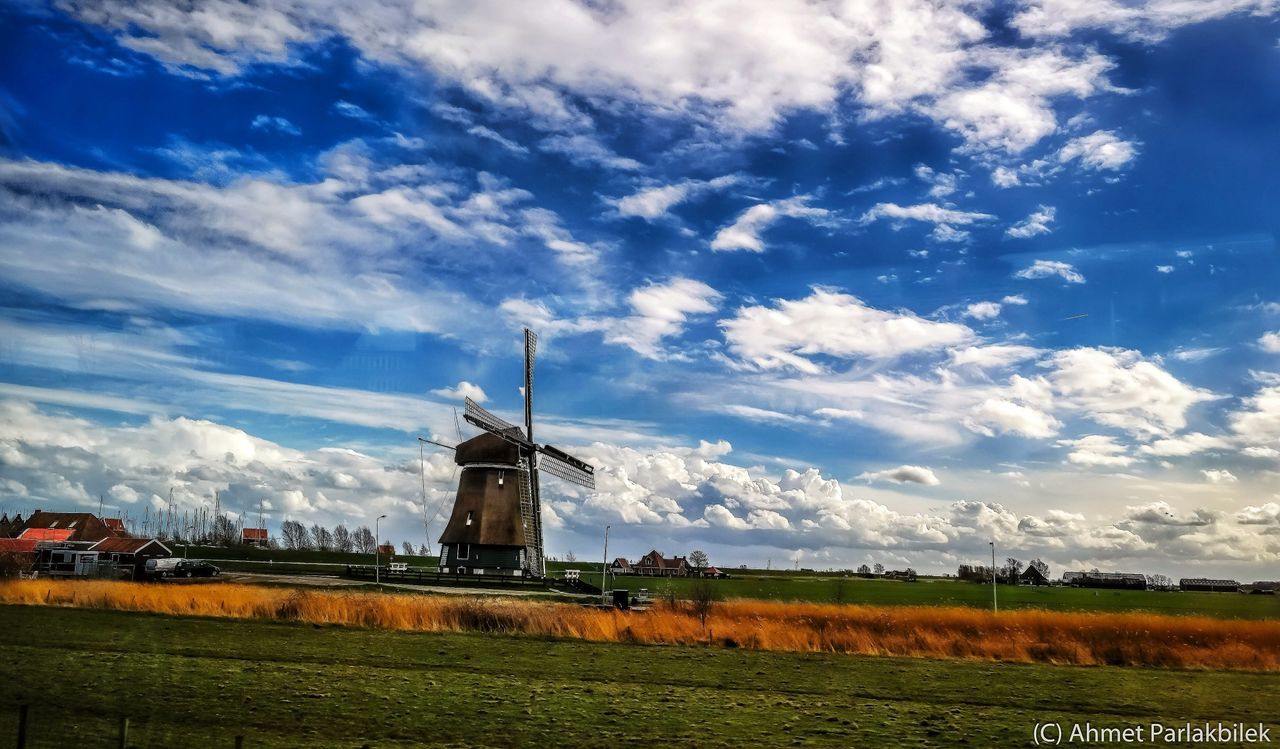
(496, 524)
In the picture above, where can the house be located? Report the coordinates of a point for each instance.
(254, 537)
(387, 550)
(17, 556)
(9, 524)
(1032, 576)
(128, 556)
(621, 566)
(83, 526)
(715, 572)
(1209, 585)
(654, 564)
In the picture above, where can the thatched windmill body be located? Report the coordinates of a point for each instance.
(496, 524)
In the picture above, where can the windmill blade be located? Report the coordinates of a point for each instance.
(438, 444)
(476, 415)
(562, 465)
(530, 353)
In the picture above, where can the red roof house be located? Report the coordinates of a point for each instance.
(47, 534)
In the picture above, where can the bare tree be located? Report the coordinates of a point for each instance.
(864, 570)
(1012, 568)
(342, 539)
(570, 557)
(1041, 566)
(321, 537)
(423, 551)
(364, 540)
(408, 548)
(698, 560)
(295, 535)
(702, 597)
(878, 569)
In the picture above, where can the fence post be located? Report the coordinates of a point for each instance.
(22, 726)
(124, 732)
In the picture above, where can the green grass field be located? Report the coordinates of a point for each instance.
(201, 682)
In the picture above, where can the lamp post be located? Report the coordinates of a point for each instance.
(378, 579)
(604, 569)
(995, 606)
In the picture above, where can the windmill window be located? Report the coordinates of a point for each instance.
(502, 475)
(464, 551)
(470, 515)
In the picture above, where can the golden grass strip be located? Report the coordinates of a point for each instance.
(1129, 639)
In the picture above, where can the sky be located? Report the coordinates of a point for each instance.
(817, 284)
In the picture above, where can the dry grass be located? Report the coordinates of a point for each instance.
(1022, 636)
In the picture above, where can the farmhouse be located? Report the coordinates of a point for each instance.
(1032, 576)
(621, 566)
(1207, 584)
(654, 564)
(68, 526)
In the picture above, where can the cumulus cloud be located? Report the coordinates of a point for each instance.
(1097, 450)
(903, 475)
(1181, 446)
(1099, 151)
(1270, 342)
(1000, 416)
(1145, 20)
(944, 219)
(1050, 268)
(463, 389)
(1035, 224)
(983, 310)
(660, 311)
(1219, 476)
(744, 233)
(792, 333)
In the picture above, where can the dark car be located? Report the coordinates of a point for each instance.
(195, 568)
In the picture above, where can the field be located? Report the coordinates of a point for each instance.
(1021, 636)
(199, 682)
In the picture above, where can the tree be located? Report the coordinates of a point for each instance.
(879, 568)
(423, 551)
(570, 557)
(363, 540)
(295, 535)
(864, 570)
(698, 560)
(1041, 566)
(342, 539)
(1012, 567)
(408, 548)
(321, 537)
(702, 596)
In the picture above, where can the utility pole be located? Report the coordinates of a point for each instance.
(377, 548)
(604, 569)
(995, 606)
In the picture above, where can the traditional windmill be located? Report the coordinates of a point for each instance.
(496, 524)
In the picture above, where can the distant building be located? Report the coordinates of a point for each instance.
(1120, 580)
(128, 556)
(654, 564)
(254, 537)
(621, 566)
(1032, 576)
(387, 550)
(1208, 584)
(82, 526)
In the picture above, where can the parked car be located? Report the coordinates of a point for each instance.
(159, 568)
(195, 568)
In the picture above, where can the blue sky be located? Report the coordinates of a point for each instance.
(816, 284)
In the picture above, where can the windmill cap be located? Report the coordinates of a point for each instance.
(487, 448)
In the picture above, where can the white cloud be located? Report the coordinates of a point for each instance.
(1003, 176)
(1260, 452)
(1219, 476)
(903, 475)
(1049, 268)
(761, 415)
(587, 150)
(463, 389)
(659, 312)
(1181, 446)
(654, 202)
(1258, 423)
(1270, 342)
(480, 131)
(1035, 224)
(269, 124)
(931, 213)
(1268, 514)
(1120, 389)
(1146, 20)
(744, 233)
(999, 416)
(940, 184)
(992, 356)
(1099, 151)
(1164, 268)
(1097, 450)
(828, 323)
(1017, 299)
(983, 310)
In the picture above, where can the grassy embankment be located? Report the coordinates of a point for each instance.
(199, 682)
(1023, 636)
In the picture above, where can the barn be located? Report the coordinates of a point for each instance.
(1209, 584)
(128, 556)
(1032, 576)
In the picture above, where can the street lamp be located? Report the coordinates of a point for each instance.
(378, 578)
(995, 606)
(604, 569)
